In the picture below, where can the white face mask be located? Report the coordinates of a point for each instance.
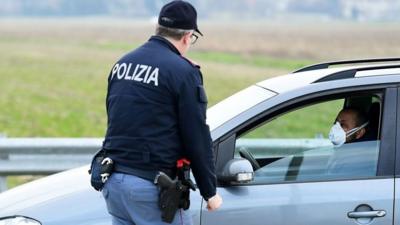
(338, 136)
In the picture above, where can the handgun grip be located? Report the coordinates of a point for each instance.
(163, 180)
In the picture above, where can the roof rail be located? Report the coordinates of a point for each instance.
(350, 73)
(359, 61)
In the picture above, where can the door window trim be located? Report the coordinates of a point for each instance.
(397, 166)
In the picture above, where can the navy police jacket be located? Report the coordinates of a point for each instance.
(156, 107)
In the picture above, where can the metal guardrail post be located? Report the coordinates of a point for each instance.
(3, 179)
(3, 184)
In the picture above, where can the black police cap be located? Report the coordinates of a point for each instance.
(180, 15)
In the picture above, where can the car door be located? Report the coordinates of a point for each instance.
(304, 179)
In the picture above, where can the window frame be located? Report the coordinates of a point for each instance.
(226, 147)
(397, 166)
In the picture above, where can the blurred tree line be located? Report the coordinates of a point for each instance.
(209, 9)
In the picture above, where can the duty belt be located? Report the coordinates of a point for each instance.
(145, 174)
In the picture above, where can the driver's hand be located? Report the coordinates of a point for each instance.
(214, 202)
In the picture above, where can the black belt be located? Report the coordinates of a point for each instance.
(145, 174)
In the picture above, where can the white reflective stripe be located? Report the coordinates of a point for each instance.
(285, 83)
(379, 72)
(236, 104)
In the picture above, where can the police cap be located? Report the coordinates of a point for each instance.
(179, 14)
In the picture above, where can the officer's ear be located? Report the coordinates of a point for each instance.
(187, 38)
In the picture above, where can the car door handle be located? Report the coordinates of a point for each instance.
(367, 214)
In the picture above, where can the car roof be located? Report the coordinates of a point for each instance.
(321, 73)
(291, 85)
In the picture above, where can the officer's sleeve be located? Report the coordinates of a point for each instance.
(195, 133)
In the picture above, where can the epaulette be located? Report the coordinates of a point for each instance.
(193, 63)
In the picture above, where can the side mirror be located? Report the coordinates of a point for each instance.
(237, 171)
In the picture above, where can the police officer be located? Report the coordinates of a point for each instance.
(156, 107)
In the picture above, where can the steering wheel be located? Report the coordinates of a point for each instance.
(244, 153)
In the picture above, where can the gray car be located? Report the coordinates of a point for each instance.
(274, 161)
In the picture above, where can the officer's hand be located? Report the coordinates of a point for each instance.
(214, 202)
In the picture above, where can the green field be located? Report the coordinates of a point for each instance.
(55, 87)
(53, 72)
(53, 78)
(14, 181)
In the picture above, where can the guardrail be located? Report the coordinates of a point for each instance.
(44, 156)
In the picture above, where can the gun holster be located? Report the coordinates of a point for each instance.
(174, 195)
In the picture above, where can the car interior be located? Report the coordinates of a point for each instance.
(316, 162)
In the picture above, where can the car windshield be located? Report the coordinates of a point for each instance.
(236, 104)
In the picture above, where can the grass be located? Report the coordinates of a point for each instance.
(13, 181)
(50, 90)
(56, 88)
(251, 60)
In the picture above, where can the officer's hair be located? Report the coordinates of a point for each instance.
(173, 33)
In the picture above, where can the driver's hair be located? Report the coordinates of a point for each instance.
(360, 116)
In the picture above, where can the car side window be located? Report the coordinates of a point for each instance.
(297, 146)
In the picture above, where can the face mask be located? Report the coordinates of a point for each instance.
(338, 136)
